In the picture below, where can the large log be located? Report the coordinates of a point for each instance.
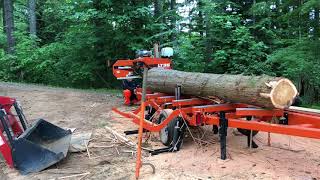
(262, 91)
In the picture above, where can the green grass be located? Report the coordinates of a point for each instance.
(104, 90)
(312, 106)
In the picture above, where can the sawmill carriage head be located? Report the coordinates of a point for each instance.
(166, 53)
(130, 71)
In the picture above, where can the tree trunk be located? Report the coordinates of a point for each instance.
(262, 91)
(173, 20)
(158, 11)
(158, 8)
(3, 21)
(200, 18)
(2, 15)
(316, 24)
(32, 18)
(9, 26)
(208, 42)
(98, 22)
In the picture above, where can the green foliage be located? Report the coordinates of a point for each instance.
(313, 106)
(300, 62)
(188, 56)
(75, 39)
(234, 49)
(238, 52)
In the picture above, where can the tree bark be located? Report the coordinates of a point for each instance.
(158, 11)
(316, 24)
(262, 91)
(2, 21)
(157, 8)
(2, 15)
(173, 20)
(200, 22)
(208, 42)
(98, 22)
(9, 25)
(32, 18)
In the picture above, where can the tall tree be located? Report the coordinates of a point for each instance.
(9, 25)
(173, 19)
(158, 12)
(200, 21)
(32, 17)
(158, 8)
(316, 24)
(2, 16)
(208, 42)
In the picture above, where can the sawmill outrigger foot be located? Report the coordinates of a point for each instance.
(131, 132)
(161, 150)
(33, 148)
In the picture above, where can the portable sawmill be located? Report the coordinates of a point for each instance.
(171, 106)
(29, 147)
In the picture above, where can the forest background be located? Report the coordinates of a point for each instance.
(68, 42)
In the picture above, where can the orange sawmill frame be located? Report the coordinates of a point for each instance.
(200, 112)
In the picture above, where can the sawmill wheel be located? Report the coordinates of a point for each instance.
(166, 133)
(247, 132)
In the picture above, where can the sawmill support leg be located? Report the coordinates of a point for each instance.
(223, 123)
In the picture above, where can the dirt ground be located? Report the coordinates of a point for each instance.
(287, 157)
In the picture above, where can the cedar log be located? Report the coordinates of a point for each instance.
(263, 91)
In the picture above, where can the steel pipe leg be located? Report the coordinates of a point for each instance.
(251, 143)
(223, 135)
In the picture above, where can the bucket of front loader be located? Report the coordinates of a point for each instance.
(40, 146)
